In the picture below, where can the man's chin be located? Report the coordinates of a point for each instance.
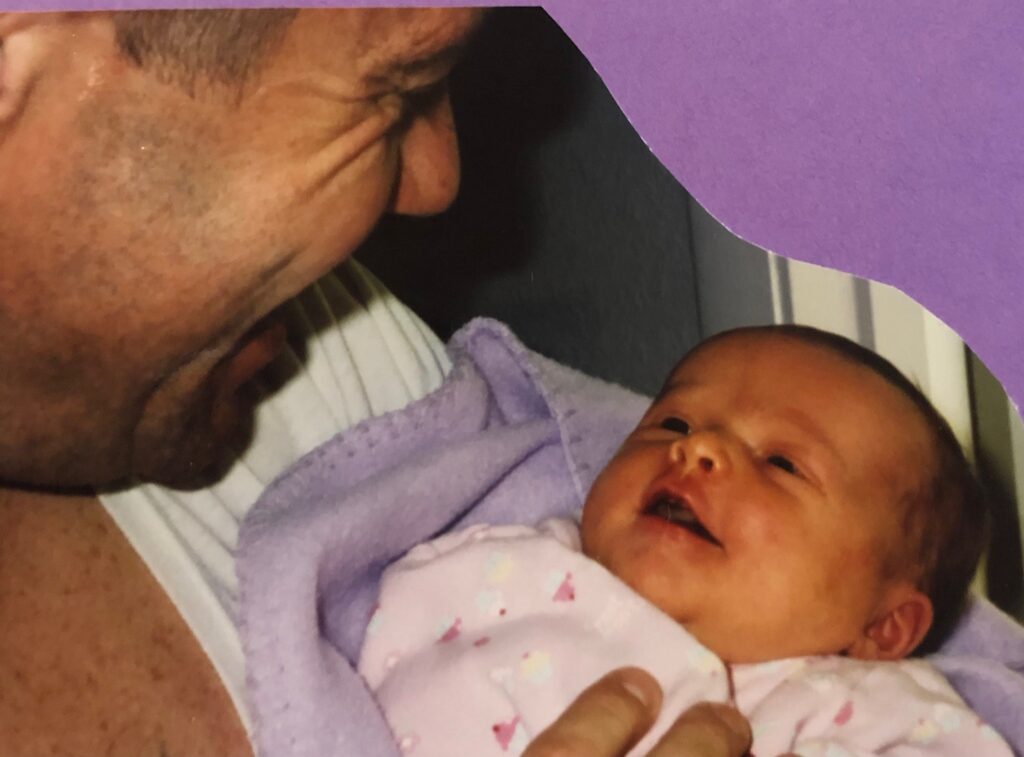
(199, 451)
(189, 471)
(197, 465)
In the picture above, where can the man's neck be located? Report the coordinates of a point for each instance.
(94, 658)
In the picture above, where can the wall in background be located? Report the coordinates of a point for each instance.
(999, 450)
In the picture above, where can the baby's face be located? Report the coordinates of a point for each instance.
(758, 497)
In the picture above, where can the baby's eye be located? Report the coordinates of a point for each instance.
(677, 425)
(784, 463)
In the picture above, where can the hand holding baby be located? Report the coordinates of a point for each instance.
(608, 718)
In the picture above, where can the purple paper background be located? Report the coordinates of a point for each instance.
(882, 138)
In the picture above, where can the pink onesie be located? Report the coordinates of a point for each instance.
(483, 637)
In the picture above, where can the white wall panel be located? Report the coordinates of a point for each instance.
(823, 298)
(927, 351)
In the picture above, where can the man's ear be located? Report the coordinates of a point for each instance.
(25, 40)
(898, 628)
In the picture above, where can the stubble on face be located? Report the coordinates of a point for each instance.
(115, 227)
(168, 224)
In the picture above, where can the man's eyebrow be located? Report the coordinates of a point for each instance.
(426, 64)
(404, 65)
(414, 73)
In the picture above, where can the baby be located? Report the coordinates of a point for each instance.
(790, 520)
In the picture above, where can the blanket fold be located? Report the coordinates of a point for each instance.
(510, 437)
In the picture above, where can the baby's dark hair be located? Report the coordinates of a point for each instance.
(946, 518)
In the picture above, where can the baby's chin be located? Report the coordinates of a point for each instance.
(734, 640)
(751, 645)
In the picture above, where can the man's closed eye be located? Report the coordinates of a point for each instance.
(783, 463)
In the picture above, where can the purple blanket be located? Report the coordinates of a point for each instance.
(510, 437)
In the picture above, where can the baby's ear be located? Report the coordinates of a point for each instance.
(898, 629)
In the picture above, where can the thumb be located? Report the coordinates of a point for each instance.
(606, 720)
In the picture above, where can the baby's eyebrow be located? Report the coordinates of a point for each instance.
(674, 384)
(806, 426)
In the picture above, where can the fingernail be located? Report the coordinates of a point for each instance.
(640, 685)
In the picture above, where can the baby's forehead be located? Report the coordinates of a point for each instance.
(737, 348)
(788, 377)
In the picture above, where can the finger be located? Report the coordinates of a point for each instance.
(606, 720)
(706, 730)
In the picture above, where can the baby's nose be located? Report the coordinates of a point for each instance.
(701, 451)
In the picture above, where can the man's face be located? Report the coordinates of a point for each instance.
(147, 234)
(758, 497)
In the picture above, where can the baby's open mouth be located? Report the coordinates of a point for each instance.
(677, 512)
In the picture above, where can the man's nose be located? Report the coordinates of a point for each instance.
(429, 174)
(703, 452)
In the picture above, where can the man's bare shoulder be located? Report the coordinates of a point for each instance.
(94, 658)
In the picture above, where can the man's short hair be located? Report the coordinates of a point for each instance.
(946, 519)
(186, 47)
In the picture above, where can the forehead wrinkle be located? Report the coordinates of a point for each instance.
(428, 44)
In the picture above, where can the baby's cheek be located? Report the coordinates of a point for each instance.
(618, 489)
(600, 523)
(841, 581)
(857, 564)
(760, 528)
